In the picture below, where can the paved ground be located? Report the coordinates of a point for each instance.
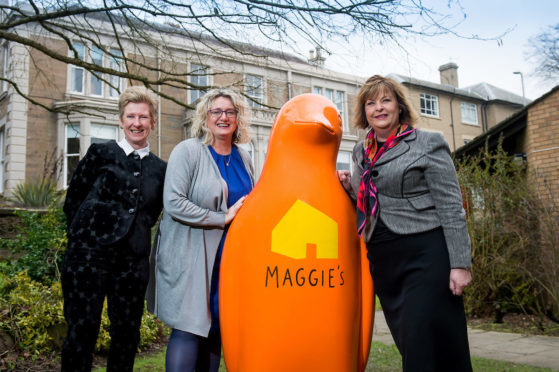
(541, 351)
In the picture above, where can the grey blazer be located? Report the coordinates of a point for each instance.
(418, 191)
(182, 260)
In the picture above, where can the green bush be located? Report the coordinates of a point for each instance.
(32, 313)
(40, 246)
(36, 194)
(505, 220)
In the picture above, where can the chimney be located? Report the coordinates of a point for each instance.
(318, 59)
(449, 74)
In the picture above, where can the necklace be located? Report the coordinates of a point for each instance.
(227, 159)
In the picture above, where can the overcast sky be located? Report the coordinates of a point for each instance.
(478, 61)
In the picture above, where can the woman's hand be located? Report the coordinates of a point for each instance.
(459, 279)
(232, 212)
(345, 179)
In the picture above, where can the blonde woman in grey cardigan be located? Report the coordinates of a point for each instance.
(207, 179)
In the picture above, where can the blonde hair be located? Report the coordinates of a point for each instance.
(375, 86)
(199, 127)
(138, 94)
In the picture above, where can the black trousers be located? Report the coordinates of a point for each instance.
(89, 274)
(427, 322)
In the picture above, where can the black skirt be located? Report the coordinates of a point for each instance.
(428, 323)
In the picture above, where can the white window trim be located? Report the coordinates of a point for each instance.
(423, 96)
(465, 120)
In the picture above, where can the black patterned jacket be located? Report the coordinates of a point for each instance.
(112, 196)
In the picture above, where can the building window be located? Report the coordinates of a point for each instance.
(2, 157)
(469, 113)
(98, 133)
(343, 161)
(254, 89)
(199, 77)
(101, 133)
(340, 105)
(71, 151)
(337, 97)
(78, 74)
(115, 61)
(5, 61)
(96, 82)
(429, 104)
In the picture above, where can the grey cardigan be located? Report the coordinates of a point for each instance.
(418, 191)
(182, 259)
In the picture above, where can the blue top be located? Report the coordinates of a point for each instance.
(239, 184)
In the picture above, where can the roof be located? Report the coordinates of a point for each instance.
(481, 91)
(493, 93)
(436, 86)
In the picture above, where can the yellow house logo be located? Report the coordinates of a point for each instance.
(303, 228)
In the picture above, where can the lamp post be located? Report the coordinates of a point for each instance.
(522, 81)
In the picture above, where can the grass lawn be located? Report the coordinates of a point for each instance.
(383, 358)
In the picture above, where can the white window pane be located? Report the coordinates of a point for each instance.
(96, 83)
(115, 64)
(77, 79)
(329, 93)
(317, 90)
(72, 151)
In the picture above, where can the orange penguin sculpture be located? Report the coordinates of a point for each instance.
(295, 292)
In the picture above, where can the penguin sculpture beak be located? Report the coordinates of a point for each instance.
(325, 125)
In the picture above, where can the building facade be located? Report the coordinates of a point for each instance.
(33, 139)
(460, 114)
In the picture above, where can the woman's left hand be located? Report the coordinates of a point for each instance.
(459, 279)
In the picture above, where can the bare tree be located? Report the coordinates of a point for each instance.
(544, 51)
(138, 31)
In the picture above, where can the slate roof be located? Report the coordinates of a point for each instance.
(481, 91)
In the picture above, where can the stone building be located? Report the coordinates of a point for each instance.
(29, 133)
(460, 114)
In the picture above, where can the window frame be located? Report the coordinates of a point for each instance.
(67, 177)
(115, 64)
(74, 69)
(96, 77)
(464, 106)
(433, 100)
(198, 92)
(340, 103)
(259, 98)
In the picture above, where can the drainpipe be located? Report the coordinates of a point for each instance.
(289, 85)
(452, 120)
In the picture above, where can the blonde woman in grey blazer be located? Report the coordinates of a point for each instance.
(411, 218)
(207, 180)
